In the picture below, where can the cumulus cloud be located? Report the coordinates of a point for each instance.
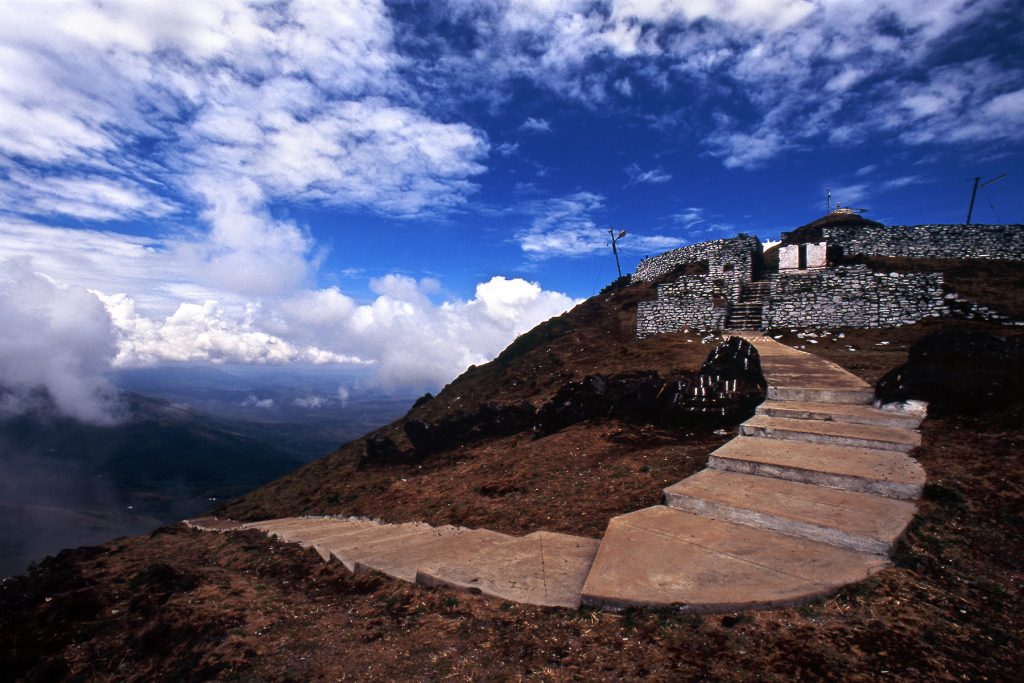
(414, 342)
(410, 339)
(56, 338)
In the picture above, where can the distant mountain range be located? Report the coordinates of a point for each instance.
(67, 483)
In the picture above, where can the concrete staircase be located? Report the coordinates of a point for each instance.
(810, 496)
(541, 568)
(746, 314)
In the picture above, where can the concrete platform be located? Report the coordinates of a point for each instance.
(838, 412)
(859, 521)
(832, 433)
(542, 568)
(402, 560)
(665, 557)
(865, 470)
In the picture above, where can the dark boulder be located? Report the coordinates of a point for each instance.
(381, 449)
(487, 421)
(959, 371)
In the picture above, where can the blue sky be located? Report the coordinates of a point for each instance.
(409, 185)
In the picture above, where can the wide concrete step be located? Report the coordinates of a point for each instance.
(442, 544)
(272, 526)
(832, 433)
(666, 557)
(839, 412)
(819, 394)
(350, 548)
(307, 535)
(542, 568)
(865, 470)
(858, 521)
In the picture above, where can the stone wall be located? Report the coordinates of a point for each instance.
(1004, 242)
(728, 257)
(853, 296)
(698, 301)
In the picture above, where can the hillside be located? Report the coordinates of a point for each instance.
(569, 481)
(70, 483)
(180, 604)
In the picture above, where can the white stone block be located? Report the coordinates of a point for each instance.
(816, 255)
(789, 257)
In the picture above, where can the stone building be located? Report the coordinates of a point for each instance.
(812, 278)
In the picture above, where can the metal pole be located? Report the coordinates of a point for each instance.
(611, 231)
(974, 192)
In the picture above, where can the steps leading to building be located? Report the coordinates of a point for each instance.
(820, 395)
(542, 568)
(665, 557)
(838, 412)
(864, 470)
(807, 499)
(859, 521)
(832, 433)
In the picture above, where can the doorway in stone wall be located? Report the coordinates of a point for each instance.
(802, 257)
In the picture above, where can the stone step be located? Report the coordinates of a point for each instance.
(858, 521)
(350, 549)
(839, 412)
(832, 433)
(866, 470)
(542, 568)
(275, 527)
(666, 557)
(327, 537)
(447, 543)
(819, 394)
(306, 535)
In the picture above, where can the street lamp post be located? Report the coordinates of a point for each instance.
(615, 249)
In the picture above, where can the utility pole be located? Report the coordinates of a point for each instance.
(615, 250)
(828, 200)
(974, 192)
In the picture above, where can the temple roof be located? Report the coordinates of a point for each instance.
(839, 217)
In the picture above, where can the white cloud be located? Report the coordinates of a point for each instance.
(253, 401)
(638, 176)
(55, 337)
(765, 76)
(411, 340)
(564, 226)
(126, 110)
(506, 149)
(537, 125)
(310, 402)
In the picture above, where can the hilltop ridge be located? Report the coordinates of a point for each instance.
(180, 604)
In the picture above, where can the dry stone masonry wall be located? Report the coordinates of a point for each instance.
(728, 257)
(853, 296)
(692, 301)
(1004, 242)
